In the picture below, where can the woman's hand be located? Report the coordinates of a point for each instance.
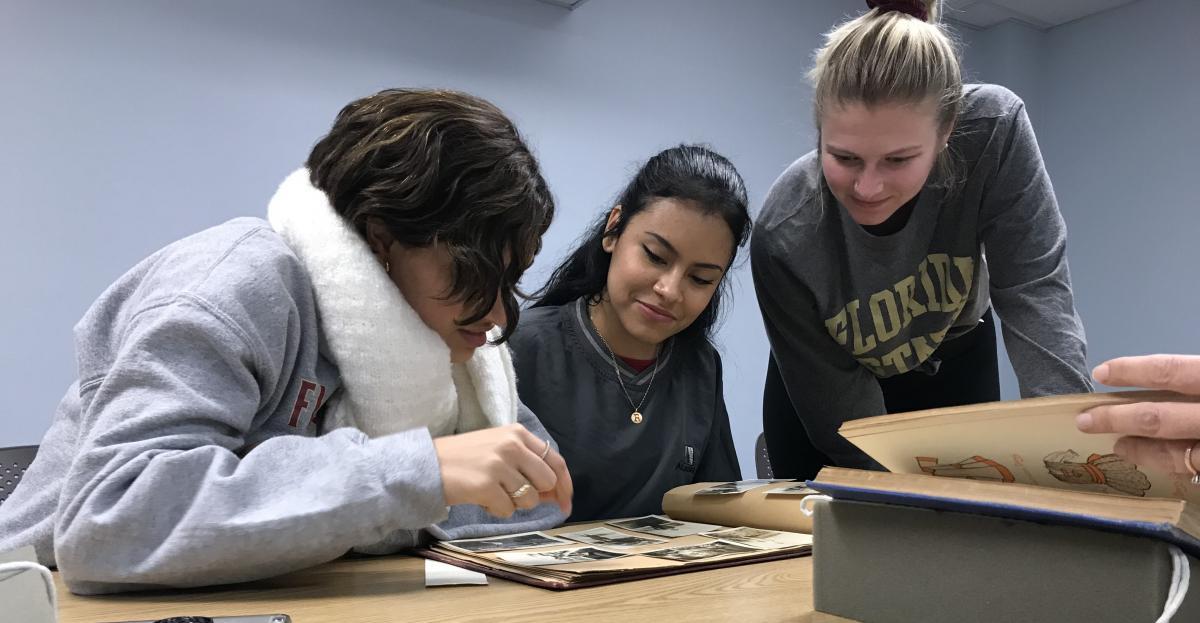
(1158, 434)
(490, 467)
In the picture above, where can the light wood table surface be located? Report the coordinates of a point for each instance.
(392, 588)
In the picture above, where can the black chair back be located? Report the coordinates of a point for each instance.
(13, 463)
(761, 459)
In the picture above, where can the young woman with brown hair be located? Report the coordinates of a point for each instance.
(261, 397)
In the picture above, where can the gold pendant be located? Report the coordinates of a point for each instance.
(636, 417)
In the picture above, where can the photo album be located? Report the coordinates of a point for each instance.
(703, 526)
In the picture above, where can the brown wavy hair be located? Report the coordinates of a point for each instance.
(437, 166)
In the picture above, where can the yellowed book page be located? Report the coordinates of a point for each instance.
(755, 508)
(1032, 442)
(1119, 507)
(759, 538)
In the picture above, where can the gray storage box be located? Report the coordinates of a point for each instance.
(879, 563)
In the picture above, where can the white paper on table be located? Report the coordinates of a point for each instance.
(23, 594)
(442, 574)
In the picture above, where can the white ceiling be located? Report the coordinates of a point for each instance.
(566, 4)
(1041, 14)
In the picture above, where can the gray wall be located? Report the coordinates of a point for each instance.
(1114, 99)
(129, 124)
(1122, 141)
(1010, 54)
(1006, 54)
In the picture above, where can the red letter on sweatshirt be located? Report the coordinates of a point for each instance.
(306, 387)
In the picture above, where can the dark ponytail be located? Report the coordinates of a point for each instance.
(691, 173)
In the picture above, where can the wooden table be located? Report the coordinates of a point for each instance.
(392, 588)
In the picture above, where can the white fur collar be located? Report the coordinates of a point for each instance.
(396, 371)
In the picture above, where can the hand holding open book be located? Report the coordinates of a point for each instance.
(1032, 442)
(1165, 435)
(1013, 459)
(993, 499)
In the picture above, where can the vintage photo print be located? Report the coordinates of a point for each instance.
(662, 526)
(523, 540)
(611, 538)
(761, 539)
(558, 556)
(734, 488)
(690, 553)
(796, 489)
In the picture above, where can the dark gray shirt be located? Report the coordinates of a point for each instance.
(843, 307)
(621, 469)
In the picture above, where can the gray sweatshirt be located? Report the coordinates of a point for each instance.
(186, 453)
(843, 307)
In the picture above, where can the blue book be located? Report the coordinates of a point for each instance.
(1164, 519)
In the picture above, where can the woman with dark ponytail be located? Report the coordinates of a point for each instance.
(615, 355)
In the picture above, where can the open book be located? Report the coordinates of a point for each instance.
(704, 526)
(1032, 441)
(1014, 459)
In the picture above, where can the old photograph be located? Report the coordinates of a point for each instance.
(662, 526)
(761, 539)
(734, 488)
(559, 556)
(611, 538)
(523, 540)
(796, 489)
(691, 553)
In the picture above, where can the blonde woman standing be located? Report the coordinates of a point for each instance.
(878, 257)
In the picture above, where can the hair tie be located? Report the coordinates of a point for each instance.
(915, 8)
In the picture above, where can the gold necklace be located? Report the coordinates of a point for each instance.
(636, 416)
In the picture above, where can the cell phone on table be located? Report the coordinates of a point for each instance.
(253, 618)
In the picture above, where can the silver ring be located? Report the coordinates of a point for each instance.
(522, 490)
(545, 452)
